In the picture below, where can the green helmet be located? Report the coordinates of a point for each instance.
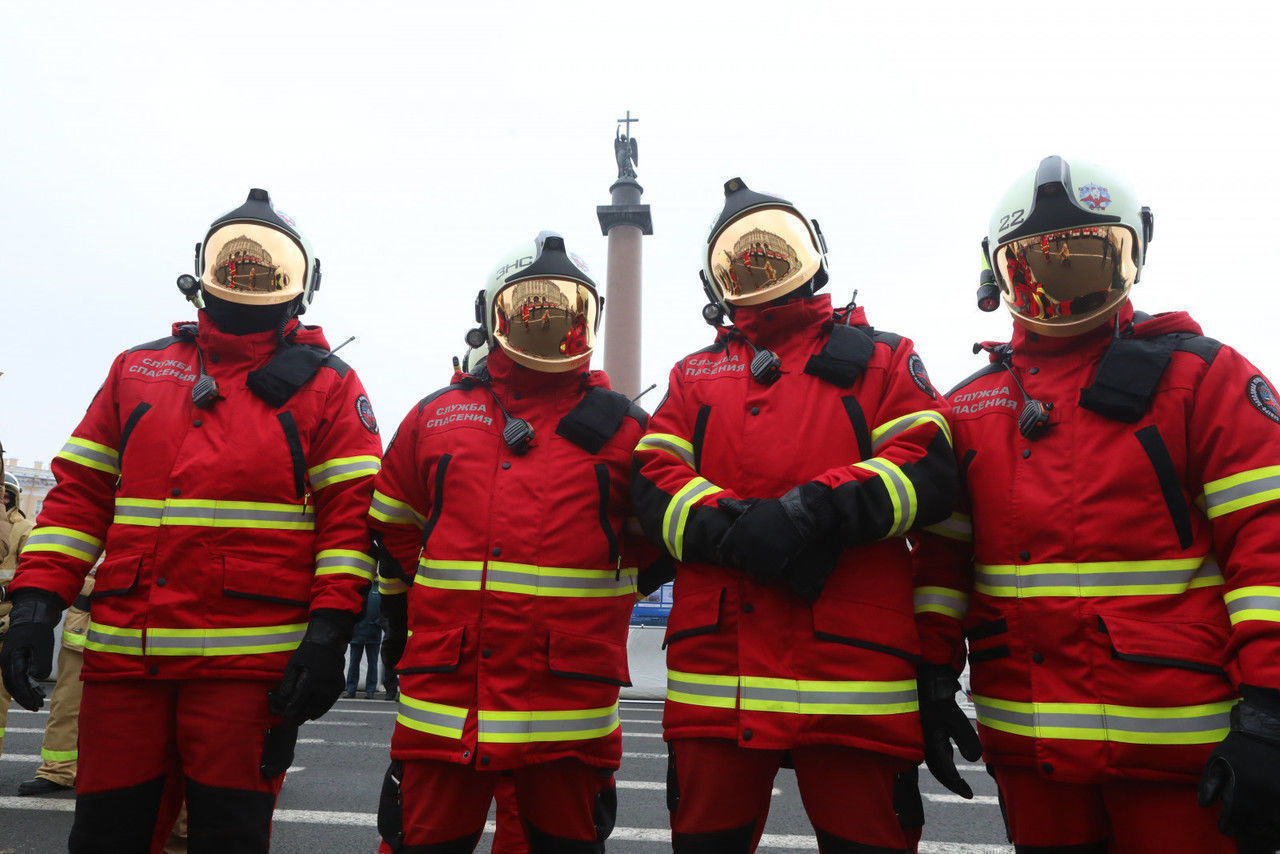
(1066, 243)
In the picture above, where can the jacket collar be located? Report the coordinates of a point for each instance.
(252, 348)
(766, 325)
(505, 373)
(1027, 343)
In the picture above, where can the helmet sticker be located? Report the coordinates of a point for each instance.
(919, 376)
(365, 410)
(1094, 197)
(1263, 398)
(284, 216)
(579, 263)
(518, 264)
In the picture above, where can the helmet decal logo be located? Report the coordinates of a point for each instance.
(579, 263)
(1263, 398)
(919, 376)
(364, 409)
(518, 264)
(243, 264)
(284, 217)
(1094, 197)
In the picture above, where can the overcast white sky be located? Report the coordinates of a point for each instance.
(415, 143)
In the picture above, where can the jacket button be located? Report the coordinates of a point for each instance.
(197, 422)
(466, 754)
(746, 735)
(153, 670)
(747, 607)
(1026, 452)
(213, 357)
(1037, 658)
(1046, 767)
(484, 760)
(175, 491)
(1024, 555)
(160, 582)
(497, 550)
(517, 395)
(1033, 370)
(485, 653)
(506, 465)
(755, 410)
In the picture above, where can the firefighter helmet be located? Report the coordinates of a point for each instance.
(11, 487)
(541, 306)
(1067, 243)
(255, 255)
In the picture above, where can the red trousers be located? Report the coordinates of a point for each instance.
(847, 793)
(1134, 816)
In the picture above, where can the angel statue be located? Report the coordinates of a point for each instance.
(626, 153)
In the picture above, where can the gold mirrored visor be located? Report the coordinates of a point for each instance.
(546, 324)
(253, 264)
(762, 255)
(1063, 277)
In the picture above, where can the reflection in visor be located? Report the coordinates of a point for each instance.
(1067, 274)
(243, 264)
(254, 264)
(762, 255)
(758, 260)
(546, 318)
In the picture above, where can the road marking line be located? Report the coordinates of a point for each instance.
(33, 730)
(956, 799)
(20, 757)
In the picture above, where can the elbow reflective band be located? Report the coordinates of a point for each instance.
(67, 541)
(392, 586)
(59, 755)
(883, 434)
(554, 725)
(387, 509)
(1203, 724)
(902, 493)
(213, 513)
(957, 526)
(941, 600)
(349, 561)
(560, 581)
(339, 469)
(449, 574)
(433, 718)
(72, 639)
(1241, 490)
(679, 448)
(677, 515)
(1253, 603)
(792, 696)
(1105, 578)
(246, 640)
(91, 454)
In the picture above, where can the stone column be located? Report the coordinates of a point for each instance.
(624, 222)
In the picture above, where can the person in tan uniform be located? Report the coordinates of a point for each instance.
(15, 527)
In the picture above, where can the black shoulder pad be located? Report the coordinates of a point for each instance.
(1201, 345)
(893, 339)
(339, 366)
(978, 374)
(638, 415)
(595, 420)
(1127, 377)
(844, 357)
(158, 344)
(452, 387)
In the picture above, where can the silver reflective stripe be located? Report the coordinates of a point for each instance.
(903, 509)
(73, 543)
(105, 458)
(532, 579)
(106, 639)
(214, 513)
(437, 719)
(957, 526)
(441, 571)
(222, 642)
(940, 600)
(1202, 724)
(326, 474)
(548, 725)
(678, 511)
(660, 442)
(812, 696)
(682, 684)
(1104, 578)
(1244, 490)
(337, 559)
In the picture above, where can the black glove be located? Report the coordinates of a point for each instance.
(395, 610)
(770, 532)
(807, 572)
(314, 679)
(27, 654)
(942, 722)
(1244, 770)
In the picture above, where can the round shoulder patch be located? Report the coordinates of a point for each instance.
(1263, 397)
(915, 367)
(365, 410)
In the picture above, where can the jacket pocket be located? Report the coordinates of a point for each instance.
(433, 651)
(985, 641)
(837, 620)
(697, 614)
(117, 577)
(247, 579)
(589, 659)
(437, 497)
(1181, 645)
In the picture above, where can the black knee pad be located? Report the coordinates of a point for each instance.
(545, 843)
(829, 843)
(734, 841)
(1085, 848)
(907, 802)
(228, 821)
(117, 821)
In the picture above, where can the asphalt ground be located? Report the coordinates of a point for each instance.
(330, 797)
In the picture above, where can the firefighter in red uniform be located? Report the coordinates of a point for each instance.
(781, 471)
(500, 510)
(1113, 565)
(227, 472)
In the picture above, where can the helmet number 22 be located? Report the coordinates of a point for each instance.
(1009, 220)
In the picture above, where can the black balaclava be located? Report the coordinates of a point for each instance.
(239, 319)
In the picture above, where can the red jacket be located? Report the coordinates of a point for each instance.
(520, 582)
(1125, 576)
(223, 527)
(757, 664)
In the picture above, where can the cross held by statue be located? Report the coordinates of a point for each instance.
(627, 121)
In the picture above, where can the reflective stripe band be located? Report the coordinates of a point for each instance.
(72, 640)
(433, 718)
(345, 561)
(885, 433)
(1105, 578)
(249, 640)
(1242, 490)
(392, 586)
(559, 581)
(91, 454)
(1253, 603)
(957, 526)
(449, 574)
(941, 600)
(1203, 724)
(339, 469)
(902, 493)
(679, 448)
(113, 639)
(557, 725)
(211, 513)
(394, 512)
(677, 515)
(792, 696)
(67, 541)
(59, 755)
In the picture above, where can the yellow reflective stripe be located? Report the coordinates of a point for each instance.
(91, 454)
(941, 600)
(104, 638)
(1241, 490)
(394, 511)
(433, 718)
(827, 697)
(72, 640)
(1103, 578)
(902, 493)
(392, 586)
(957, 526)
(1206, 723)
(449, 574)
(681, 449)
(1259, 602)
(560, 581)
(243, 640)
(67, 541)
(339, 469)
(702, 689)
(59, 755)
(345, 561)
(214, 513)
(519, 727)
(890, 429)
(677, 514)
